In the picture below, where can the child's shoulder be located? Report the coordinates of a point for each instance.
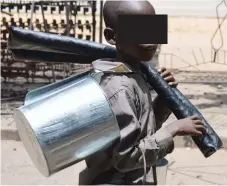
(112, 84)
(117, 76)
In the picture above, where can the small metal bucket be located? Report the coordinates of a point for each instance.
(65, 122)
(161, 171)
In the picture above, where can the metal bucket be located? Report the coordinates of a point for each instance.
(161, 171)
(65, 122)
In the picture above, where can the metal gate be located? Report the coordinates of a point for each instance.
(71, 18)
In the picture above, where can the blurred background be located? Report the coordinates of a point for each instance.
(189, 54)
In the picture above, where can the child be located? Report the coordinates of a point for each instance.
(143, 139)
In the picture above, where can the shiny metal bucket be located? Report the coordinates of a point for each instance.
(161, 171)
(65, 122)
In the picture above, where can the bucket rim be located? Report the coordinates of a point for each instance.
(30, 142)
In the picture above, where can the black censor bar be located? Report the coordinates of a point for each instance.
(142, 29)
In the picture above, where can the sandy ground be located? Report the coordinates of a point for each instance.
(188, 166)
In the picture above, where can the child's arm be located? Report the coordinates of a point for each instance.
(127, 154)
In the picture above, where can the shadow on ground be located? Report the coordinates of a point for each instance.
(10, 135)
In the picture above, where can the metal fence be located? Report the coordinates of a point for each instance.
(168, 59)
(71, 18)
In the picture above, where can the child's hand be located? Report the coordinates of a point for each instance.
(188, 126)
(167, 75)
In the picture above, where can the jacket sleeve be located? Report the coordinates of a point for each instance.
(127, 154)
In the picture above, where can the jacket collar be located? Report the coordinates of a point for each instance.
(110, 65)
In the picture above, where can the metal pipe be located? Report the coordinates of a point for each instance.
(195, 57)
(53, 72)
(67, 27)
(45, 26)
(32, 12)
(67, 18)
(75, 13)
(202, 54)
(101, 21)
(93, 20)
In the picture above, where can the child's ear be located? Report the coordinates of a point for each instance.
(109, 36)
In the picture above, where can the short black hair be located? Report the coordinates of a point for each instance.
(112, 9)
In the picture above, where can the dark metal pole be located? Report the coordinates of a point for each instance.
(202, 55)
(46, 30)
(67, 18)
(195, 57)
(68, 8)
(75, 14)
(45, 26)
(93, 20)
(101, 21)
(32, 12)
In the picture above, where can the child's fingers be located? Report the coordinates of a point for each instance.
(173, 84)
(194, 117)
(198, 133)
(162, 69)
(201, 128)
(170, 78)
(198, 122)
(166, 74)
